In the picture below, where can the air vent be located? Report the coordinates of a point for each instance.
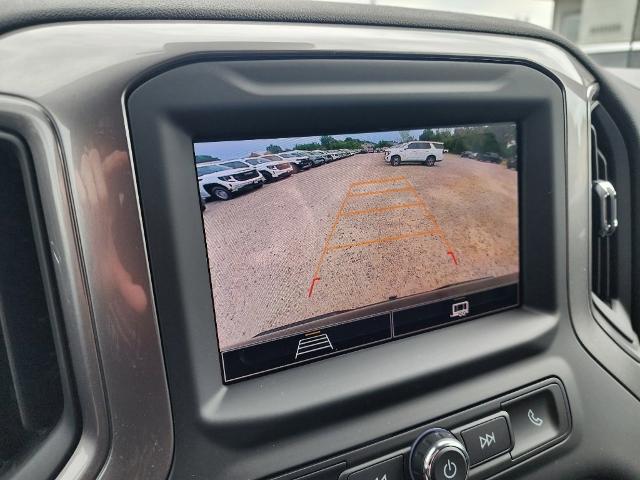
(604, 222)
(610, 228)
(36, 422)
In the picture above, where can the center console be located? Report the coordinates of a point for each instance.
(474, 443)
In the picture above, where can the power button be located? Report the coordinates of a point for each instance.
(450, 465)
(438, 455)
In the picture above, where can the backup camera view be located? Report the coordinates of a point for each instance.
(304, 233)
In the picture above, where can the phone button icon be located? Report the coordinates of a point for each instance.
(537, 419)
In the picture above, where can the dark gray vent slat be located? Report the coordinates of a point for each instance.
(610, 269)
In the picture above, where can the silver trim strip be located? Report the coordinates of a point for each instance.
(613, 47)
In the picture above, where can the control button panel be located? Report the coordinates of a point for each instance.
(392, 469)
(487, 440)
(537, 418)
(477, 443)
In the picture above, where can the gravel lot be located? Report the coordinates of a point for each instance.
(365, 230)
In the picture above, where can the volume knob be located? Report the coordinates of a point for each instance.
(438, 455)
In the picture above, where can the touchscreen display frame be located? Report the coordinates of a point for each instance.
(398, 316)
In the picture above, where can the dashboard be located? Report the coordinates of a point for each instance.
(328, 244)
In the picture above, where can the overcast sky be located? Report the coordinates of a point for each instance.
(243, 148)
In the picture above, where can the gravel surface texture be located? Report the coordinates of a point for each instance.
(364, 230)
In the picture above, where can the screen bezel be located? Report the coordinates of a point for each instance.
(180, 103)
(235, 351)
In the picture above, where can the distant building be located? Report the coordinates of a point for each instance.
(609, 32)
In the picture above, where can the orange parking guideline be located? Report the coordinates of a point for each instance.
(436, 231)
(316, 273)
(393, 238)
(381, 209)
(441, 234)
(380, 192)
(378, 181)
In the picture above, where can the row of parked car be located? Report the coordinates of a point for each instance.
(220, 180)
(491, 157)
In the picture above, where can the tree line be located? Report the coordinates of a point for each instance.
(327, 142)
(206, 158)
(499, 138)
(495, 138)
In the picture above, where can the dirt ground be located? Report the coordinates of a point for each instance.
(356, 232)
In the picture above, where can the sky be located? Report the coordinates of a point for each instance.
(243, 148)
(539, 12)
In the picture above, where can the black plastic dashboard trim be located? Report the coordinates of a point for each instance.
(163, 161)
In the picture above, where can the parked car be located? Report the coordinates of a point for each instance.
(415, 152)
(221, 181)
(466, 154)
(269, 169)
(318, 158)
(300, 161)
(332, 155)
(512, 163)
(492, 157)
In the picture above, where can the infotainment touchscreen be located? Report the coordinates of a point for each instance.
(321, 245)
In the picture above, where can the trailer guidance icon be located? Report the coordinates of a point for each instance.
(459, 309)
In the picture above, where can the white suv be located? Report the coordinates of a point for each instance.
(427, 153)
(269, 169)
(221, 181)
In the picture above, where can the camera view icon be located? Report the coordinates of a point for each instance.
(314, 342)
(459, 310)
